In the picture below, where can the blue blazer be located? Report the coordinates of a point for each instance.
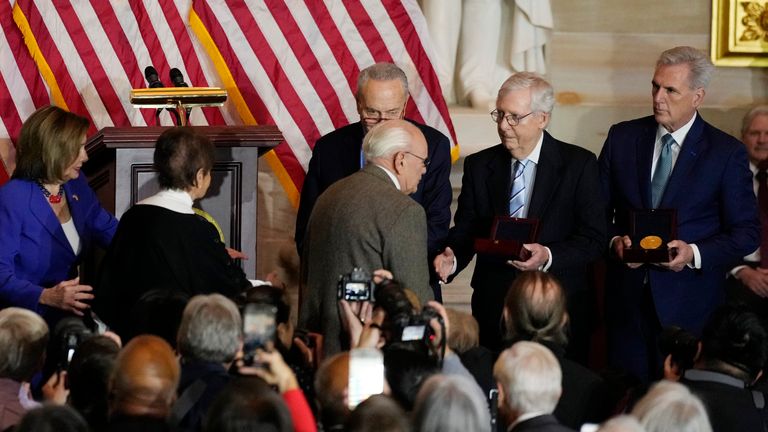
(34, 252)
(711, 188)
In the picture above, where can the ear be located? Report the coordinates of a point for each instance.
(199, 176)
(543, 120)
(399, 162)
(502, 396)
(698, 352)
(759, 375)
(282, 331)
(698, 96)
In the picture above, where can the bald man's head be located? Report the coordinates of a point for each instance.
(145, 378)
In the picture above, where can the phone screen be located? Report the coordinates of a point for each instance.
(258, 326)
(366, 374)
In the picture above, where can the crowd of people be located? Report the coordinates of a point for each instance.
(171, 335)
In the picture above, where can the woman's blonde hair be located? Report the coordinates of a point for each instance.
(49, 142)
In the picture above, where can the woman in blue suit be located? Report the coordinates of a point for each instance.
(48, 216)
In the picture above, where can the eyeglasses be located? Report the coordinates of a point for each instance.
(425, 160)
(512, 119)
(375, 116)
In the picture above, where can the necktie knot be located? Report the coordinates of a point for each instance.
(666, 141)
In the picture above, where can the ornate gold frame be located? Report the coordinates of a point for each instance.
(740, 33)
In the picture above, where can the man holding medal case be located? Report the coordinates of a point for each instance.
(671, 180)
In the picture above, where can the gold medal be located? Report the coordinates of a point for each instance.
(650, 242)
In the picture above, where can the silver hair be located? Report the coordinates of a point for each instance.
(531, 377)
(749, 116)
(387, 138)
(542, 93)
(210, 329)
(451, 403)
(23, 338)
(699, 64)
(382, 72)
(671, 407)
(622, 423)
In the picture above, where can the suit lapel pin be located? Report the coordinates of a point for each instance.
(75, 197)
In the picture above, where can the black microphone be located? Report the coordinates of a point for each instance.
(177, 78)
(150, 73)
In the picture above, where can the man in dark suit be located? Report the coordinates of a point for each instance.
(528, 378)
(382, 93)
(367, 220)
(748, 282)
(734, 349)
(559, 187)
(673, 160)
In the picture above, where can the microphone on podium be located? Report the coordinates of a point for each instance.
(177, 78)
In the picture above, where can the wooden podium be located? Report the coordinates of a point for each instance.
(120, 170)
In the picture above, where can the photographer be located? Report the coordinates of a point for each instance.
(412, 338)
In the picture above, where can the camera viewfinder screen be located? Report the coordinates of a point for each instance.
(413, 333)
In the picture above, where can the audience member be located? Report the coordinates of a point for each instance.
(293, 349)
(464, 340)
(406, 368)
(88, 379)
(143, 386)
(658, 162)
(529, 377)
(209, 339)
(535, 310)
(161, 245)
(386, 232)
(23, 338)
(53, 418)
(670, 407)
(273, 369)
(49, 217)
(451, 403)
(734, 350)
(378, 413)
(248, 404)
(530, 174)
(748, 282)
(382, 95)
(332, 380)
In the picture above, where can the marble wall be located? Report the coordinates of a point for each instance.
(600, 62)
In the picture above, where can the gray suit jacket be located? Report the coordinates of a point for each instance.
(359, 221)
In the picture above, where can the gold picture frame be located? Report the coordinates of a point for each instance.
(740, 33)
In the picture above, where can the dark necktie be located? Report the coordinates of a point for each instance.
(663, 170)
(762, 203)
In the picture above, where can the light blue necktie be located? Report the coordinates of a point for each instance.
(663, 170)
(517, 195)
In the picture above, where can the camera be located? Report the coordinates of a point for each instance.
(356, 285)
(67, 336)
(417, 327)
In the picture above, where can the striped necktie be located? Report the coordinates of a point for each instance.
(663, 170)
(517, 194)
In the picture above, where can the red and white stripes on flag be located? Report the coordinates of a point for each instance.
(285, 62)
(21, 88)
(295, 64)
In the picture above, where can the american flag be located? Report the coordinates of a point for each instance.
(285, 62)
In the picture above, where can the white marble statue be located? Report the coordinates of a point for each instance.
(482, 42)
